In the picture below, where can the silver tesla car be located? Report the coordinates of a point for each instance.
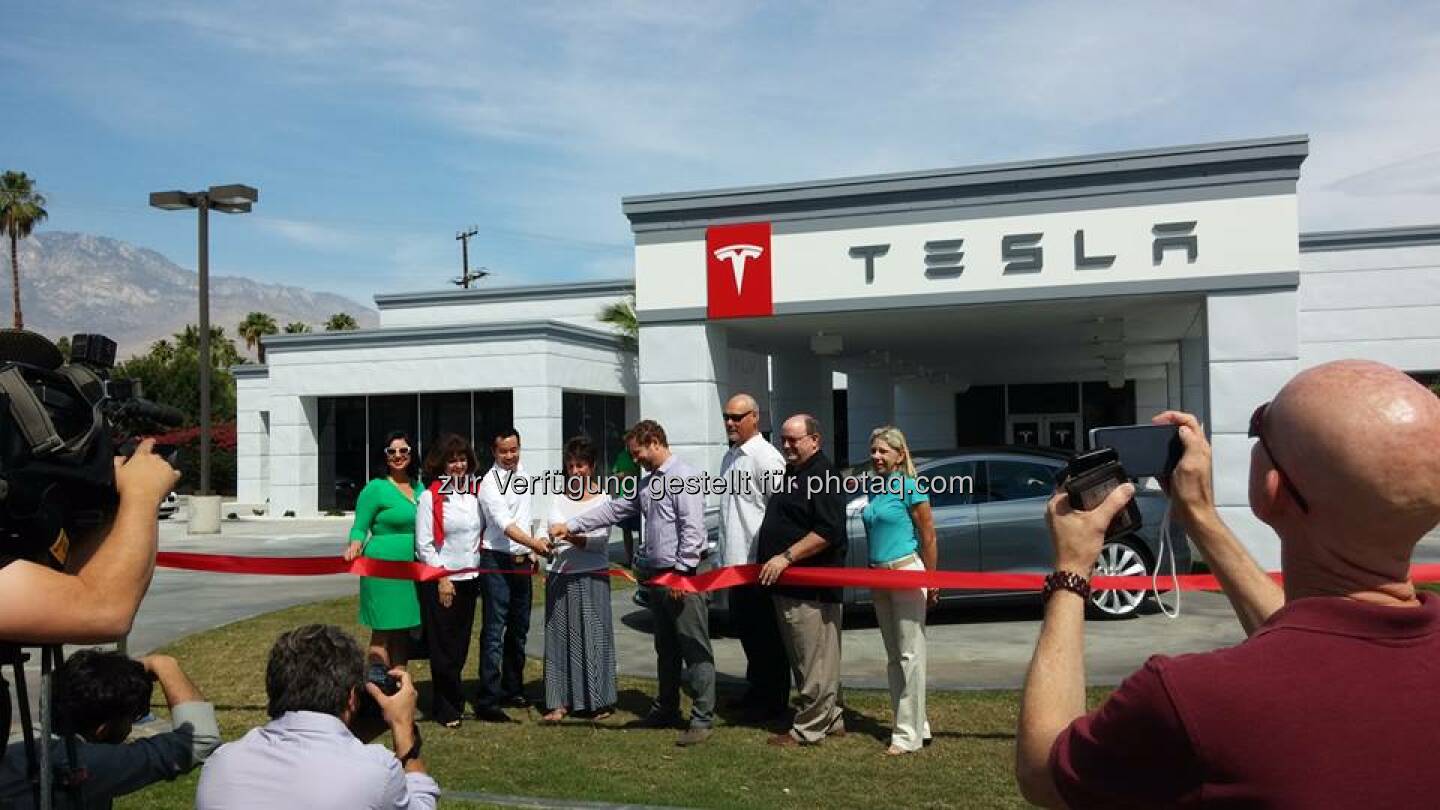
(997, 524)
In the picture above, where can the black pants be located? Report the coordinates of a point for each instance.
(447, 631)
(767, 670)
(505, 626)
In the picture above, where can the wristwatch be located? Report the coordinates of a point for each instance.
(789, 557)
(414, 752)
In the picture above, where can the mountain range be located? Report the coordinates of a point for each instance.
(76, 282)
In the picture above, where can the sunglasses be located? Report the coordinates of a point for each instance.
(397, 451)
(1257, 424)
(736, 417)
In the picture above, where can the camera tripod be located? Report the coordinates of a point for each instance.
(39, 770)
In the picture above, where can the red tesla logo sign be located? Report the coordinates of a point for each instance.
(737, 270)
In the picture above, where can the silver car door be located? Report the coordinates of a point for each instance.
(1011, 515)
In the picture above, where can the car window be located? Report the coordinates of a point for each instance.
(950, 484)
(1017, 480)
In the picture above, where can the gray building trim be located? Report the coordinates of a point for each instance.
(1369, 238)
(1285, 279)
(569, 289)
(435, 335)
(1231, 164)
(251, 371)
(1022, 204)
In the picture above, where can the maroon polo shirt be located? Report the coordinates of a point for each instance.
(1331, 703)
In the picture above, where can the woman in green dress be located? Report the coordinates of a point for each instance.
(385, 512)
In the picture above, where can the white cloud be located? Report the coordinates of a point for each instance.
(312, 235)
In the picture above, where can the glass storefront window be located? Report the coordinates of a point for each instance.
(599, 416)
(343, 464)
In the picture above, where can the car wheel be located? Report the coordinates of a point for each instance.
(1121, 557)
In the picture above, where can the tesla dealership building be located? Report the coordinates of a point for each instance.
(1020, 303)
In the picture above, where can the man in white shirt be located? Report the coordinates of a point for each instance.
(752, 469)
(312, 753)
(506, 545)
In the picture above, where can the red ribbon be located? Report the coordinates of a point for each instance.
(715, 580)
(320, 566)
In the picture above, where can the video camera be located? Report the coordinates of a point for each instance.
(60, 424)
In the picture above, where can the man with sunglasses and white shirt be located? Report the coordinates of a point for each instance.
(1332, 700)
(506, 545)
(752, 470)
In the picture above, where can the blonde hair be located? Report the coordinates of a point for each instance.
(895, 440)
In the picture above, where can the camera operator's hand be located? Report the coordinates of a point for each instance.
(1190, 488)
(155, 663)
(144, 475)
(1078, 534)
(397, 709)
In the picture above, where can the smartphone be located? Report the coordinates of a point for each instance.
(1144, 450)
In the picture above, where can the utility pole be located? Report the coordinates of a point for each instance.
(463, 237)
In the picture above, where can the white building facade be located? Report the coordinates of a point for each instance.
(1018, 303)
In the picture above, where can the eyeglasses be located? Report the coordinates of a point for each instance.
(397, 451)
(736, 417)
(795, 439)
(1257, 423)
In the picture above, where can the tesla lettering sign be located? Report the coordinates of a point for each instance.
(737, 270)
(1025, 252)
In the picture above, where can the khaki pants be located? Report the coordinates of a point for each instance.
(901, 616)
(811, 632)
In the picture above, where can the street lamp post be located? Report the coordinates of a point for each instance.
(229, 199)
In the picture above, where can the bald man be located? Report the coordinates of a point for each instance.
(752, 469)
(1334, 699)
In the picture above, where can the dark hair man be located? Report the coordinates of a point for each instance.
(674, 529)
(805, 525)
(506, 546)
(1331, 701)
(311, 754)
(96, 696)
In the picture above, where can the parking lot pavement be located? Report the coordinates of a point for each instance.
(180, 603)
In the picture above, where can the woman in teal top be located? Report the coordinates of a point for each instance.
(385, 511)
(901, 534)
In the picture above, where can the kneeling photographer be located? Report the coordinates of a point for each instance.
(96, 697)
(324, 707)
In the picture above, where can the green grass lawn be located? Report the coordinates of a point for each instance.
(969, 765)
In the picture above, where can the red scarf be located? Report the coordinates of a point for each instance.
(437, 506)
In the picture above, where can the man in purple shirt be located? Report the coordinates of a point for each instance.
(670, 497)
(308, 756)
(1331, 701)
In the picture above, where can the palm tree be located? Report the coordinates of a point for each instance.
(621, 315)
(341, 322)
(162, 350)
(297, 328)
(223, 353)
(254, 329)
(21, 209)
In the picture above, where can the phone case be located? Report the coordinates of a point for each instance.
(1089, 489)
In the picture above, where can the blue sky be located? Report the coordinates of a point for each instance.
(375, 130)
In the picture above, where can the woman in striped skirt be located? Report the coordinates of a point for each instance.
(579, 634)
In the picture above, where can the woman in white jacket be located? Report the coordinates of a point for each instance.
(447, 535)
